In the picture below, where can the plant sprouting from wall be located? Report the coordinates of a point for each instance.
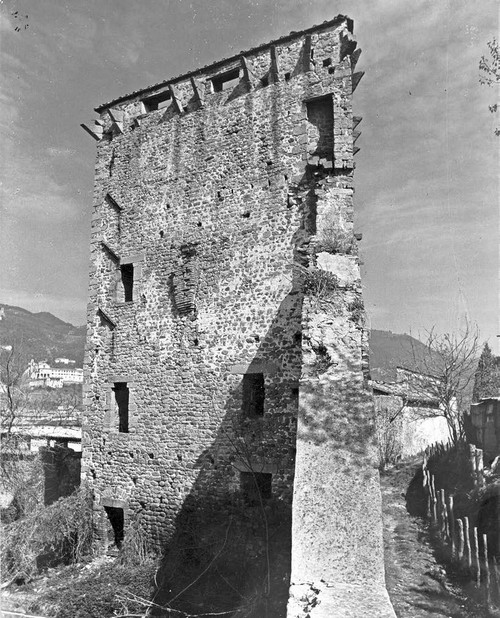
(335, 236)
(357, 310)
(318, 283)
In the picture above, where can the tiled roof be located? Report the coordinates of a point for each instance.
(326, 24)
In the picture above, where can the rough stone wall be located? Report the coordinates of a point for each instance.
(226, 202)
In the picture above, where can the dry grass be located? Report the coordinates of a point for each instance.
(59, 533)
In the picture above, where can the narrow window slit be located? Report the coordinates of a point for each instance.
(127, 275)
(122, 396)
(253, 394)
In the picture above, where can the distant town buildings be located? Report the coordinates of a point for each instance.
(42, 374)
(64, 361)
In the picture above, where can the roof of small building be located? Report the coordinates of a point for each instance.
(401, 390)
(485, 400)
(326, 24)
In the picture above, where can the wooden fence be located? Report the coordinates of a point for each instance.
(466, 546)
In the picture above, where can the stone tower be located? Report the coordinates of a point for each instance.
(224, 358)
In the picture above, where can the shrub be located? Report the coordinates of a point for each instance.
(22, 478)
(135, 548)
(101, 590)
(357, 310)
(335, 238)
(59, 533)
(318, 283)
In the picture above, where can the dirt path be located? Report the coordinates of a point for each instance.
(418, 585)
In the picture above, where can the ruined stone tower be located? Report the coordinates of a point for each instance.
(225, 336)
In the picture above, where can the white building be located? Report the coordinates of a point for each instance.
(42, 374)
(65, 361)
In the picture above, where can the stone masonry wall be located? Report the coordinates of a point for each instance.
(223, 203)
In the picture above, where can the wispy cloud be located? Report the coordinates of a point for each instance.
(426, 193)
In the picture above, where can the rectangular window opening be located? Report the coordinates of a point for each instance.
(121, 391)
(226, 81)
(157, 101)
(127, 273)
(256, 487)
(253, 394)
(117, 520)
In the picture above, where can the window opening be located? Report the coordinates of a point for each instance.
(256, 486)
(127, 272)
(253, 394)
(226, 81)
(117, 520)
(122, 392)
(157, 101)
(320, 127)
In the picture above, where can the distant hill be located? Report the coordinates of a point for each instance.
(389, 350)
(45, 337)
(41, 336)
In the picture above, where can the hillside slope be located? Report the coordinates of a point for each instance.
(41, 336)
(389, 350)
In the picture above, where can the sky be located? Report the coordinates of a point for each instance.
(426, 176)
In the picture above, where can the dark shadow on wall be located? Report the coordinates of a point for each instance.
(61, 468)
(230, 549)
(229, 553)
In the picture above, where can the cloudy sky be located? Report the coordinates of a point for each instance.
(426, 177)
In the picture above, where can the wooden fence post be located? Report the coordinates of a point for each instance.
(439, 519)
(476, 557)
(452, 525)
(444, 515)
(467, 541)
(434, 498)
(487, 566)
(461, 542)
(496, 575)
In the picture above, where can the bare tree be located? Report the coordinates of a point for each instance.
(22, 411)
(21, 406)
(388, 417)
(448, 364)
(14, 395)
(489, 71)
